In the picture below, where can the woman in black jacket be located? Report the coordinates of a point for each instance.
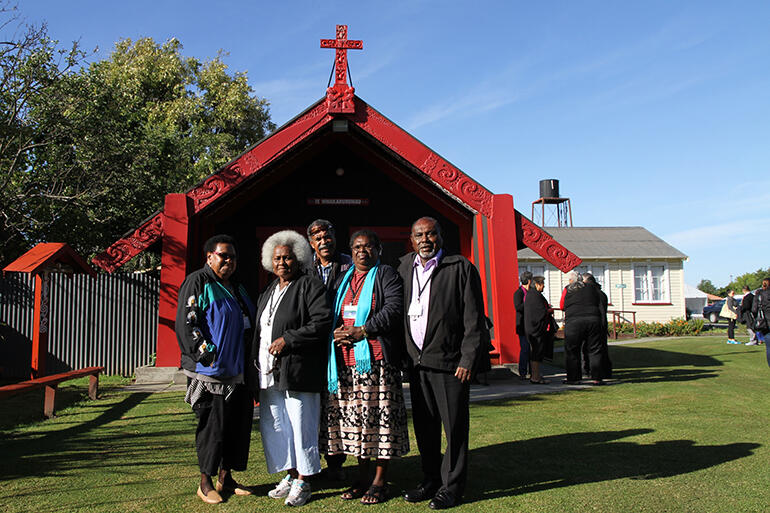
(364, 414)
(761, 311)
(293, 323)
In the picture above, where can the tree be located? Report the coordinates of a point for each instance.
(122, 132)
(31, 67)
(707, 287)
(750, 280)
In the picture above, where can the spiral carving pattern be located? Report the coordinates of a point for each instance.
(544, 245)
(127, 248)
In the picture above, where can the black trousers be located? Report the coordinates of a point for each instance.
(581, 330)
(731, 329)
(440, 399)
(224, 430)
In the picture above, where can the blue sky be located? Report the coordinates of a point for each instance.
(653, 114)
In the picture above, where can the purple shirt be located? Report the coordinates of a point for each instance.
(419, 302)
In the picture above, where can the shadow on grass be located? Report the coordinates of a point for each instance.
(642, 364)
(56, 449)
(576, 458)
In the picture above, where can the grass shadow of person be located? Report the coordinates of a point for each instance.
(575, 458)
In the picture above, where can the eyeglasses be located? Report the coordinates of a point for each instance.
(225, 256)
(359, 247)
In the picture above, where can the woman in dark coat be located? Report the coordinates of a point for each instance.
(583, 324)
(536, 321)
(293, 323)
(365, 414)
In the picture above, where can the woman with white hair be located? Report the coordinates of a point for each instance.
(293, 323)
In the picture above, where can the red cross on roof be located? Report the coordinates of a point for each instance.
(339, 97)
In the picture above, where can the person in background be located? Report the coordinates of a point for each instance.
(293, 324)
(213, 325)
(536, 321)
(745, 315)
(518, 304)
(582, 324)
(761, 311)
(733, 310)
(606, 365)
(329, 266)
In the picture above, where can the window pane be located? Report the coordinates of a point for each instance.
(656, 273)
(640, 283)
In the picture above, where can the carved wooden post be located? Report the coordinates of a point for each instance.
(176, 234)
(504, 269)
(40, 324)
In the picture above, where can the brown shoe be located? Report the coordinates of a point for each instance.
(238, 489)
(210, 498)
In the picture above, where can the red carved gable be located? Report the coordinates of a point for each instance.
(529, 235)
(443, 174)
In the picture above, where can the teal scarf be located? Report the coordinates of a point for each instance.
(360, 348)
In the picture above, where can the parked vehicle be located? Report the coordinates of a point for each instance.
(711, 312)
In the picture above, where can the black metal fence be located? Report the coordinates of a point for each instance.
(109, 321)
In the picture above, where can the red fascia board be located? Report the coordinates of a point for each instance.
(48, 254)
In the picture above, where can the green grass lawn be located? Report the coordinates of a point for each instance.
(685, 429)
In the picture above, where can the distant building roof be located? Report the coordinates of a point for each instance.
(609, 242)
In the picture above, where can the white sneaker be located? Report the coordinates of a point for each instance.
(299, 494)
(751, 343)
(282, 489)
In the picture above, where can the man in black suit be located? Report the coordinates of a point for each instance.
(328, 266)
(518, 305)
(446, 340)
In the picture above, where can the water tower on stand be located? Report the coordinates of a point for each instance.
(552, 210)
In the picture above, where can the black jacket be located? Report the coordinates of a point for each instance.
(193, 286)
(304, 320)
(582, 300)
(456, 334)
(386, 321)
(536, 316)
(518, 305)
(746, 305)
(762, 300)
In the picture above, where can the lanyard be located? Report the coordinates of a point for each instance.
(272, 306)
(421, 288)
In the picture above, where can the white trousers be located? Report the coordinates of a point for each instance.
(288, 422)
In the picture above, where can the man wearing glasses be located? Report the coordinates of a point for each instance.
(213, 324)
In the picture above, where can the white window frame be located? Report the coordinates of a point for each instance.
(597, 269)
(644, 268)
(546, 274)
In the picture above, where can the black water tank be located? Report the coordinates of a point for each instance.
(549, 188)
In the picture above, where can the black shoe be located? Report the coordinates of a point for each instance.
(421, 493)
(444, 499)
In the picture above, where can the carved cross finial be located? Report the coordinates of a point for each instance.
(339, 97)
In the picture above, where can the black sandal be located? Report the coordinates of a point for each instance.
(377, 493)
(540, 381)
(354, 492)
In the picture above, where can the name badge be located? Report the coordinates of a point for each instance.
(349, 312)
(415, 309)
(246, 323)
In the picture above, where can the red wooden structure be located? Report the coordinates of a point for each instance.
(373, 174)
(41, 261)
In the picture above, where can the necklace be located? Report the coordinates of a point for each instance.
(273, 306)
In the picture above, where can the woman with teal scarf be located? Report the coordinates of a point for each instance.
(364, 414)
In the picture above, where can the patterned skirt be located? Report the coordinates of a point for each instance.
(366, 418)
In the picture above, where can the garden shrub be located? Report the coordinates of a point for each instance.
(672, 328)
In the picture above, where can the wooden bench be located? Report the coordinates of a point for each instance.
(51, 383)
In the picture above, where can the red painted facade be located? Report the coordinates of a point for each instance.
(490, 230)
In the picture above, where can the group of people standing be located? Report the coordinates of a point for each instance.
(585, 328)
(322, 350)
(754, 312)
